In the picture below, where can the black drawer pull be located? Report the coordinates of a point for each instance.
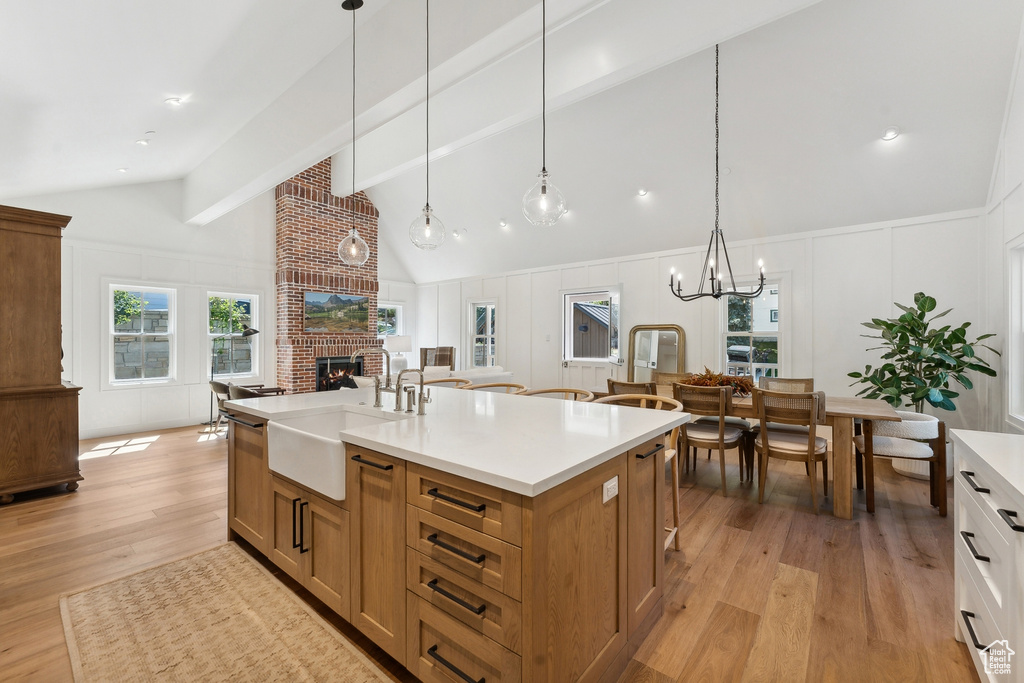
(455, 501)
(970, 546)
(969, 476)
(295, 540)
(451, 667)
(302, 528)
(232, 418)
(372, 463)
(970, 629)
(1006, 515)
(432, 538)
(650, 452)
(456, 599)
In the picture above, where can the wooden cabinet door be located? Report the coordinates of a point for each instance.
(645, 510)
(286, 544)
(250, 514)
(376, 495)
(327, 562)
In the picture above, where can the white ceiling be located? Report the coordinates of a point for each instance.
(806, 89)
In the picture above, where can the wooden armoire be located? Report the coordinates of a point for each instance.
(38, 413)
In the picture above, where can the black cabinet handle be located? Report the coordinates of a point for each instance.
(295, 540)
(451, 667)
(232, 418)
(456, 599)
(1006, 515)
(970, 546)
(477, 559)
(455, 501)
(372, 463)
(302, 528)
(969, 476)
(650, 452)
(970, 629)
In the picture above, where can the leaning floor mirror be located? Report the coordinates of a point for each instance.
(654, 352)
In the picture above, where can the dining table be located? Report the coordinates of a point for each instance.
(840, 413)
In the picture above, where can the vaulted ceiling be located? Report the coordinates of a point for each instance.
(806, 90)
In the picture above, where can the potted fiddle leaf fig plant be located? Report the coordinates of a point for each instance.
(920, 360)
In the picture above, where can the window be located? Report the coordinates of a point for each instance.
(483, 317)
(231, 352)
(591, 325)
(752, 334)
(142, 334)
(389, 320)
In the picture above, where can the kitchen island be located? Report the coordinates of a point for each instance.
(497, 537)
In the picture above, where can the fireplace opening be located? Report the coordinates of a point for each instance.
(336, 372)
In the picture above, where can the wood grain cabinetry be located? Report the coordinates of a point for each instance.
(310, 542)
(250, 511)
(375, 490)
(645, 508)
(38, 414)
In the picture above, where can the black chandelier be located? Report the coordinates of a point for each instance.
(717, 244)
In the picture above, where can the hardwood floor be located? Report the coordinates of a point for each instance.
(758, 592)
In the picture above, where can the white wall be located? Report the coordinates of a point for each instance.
(1002, 240)
(830, 282)
(133, 235)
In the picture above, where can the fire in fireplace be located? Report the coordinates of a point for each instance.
(336, 372)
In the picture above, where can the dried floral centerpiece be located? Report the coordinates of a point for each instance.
(742, 385)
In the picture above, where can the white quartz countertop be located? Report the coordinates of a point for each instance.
(523, 444)
(1004, 453)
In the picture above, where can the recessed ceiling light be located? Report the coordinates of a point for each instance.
(173, 102)
(122, 170)
(891, 133)
(459, 234)
(503, 223)
(642, 192)
(144, 142)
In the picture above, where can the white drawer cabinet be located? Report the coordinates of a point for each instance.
(989, 528)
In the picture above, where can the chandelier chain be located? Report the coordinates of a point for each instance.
(544, 84)
(716, 138)
(353, 104)
(427, 103)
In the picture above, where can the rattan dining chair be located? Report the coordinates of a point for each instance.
(671, 454)
(713, 433)
(617, 387)
(784, 408)
(561, 392)
(453, 382)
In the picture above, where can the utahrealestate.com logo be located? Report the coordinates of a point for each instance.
(997, 658)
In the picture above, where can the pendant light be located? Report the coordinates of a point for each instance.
(353, 250)
(543, 204)
(427, 232)
(717, 243)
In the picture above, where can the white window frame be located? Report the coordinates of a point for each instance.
(571, 296)
(399, 320)
(779, 333)
(472, 336)
(254, 307)
(1014, 356)
(171, 334)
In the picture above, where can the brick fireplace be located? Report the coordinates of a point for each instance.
(310, 223)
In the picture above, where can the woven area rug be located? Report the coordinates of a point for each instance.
(214, 616)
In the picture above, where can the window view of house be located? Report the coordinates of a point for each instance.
(142, 328)
(483, 339)
(230, 352)
(389, 320)
(592, 326)
(752, 334)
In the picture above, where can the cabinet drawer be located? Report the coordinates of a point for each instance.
(973, 616)
(482, 609)
(444, 650)
(481, 507)
(483, 558)
(987, 557)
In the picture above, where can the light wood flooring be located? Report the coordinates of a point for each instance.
(759, 592)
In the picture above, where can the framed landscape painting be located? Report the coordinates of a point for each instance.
(337, 313)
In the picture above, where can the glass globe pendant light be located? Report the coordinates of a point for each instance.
(353, 249)
(543, 204)
(427, 232)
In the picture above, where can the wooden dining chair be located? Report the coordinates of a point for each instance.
(786, 383)
(671, 454)
(916, 437)
(497, 387)
(563, 393)
(453, 382)
(220, 391)
(617, 387)
(714, 433)
(803, 409)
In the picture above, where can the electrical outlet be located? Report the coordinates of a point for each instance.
(611, 489)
